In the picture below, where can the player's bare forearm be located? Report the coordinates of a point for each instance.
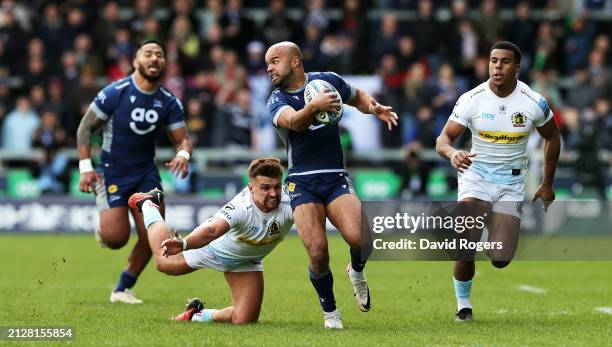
(444, 143)
(297, 120)
(552, 148)
(205, 234)
(444, 146)
(363, 101)
(180, 140)
(88, 125)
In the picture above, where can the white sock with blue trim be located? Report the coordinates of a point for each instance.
(150, 213)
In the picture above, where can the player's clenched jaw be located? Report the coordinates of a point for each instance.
(266, 192)
(150, 62)
(503, 68)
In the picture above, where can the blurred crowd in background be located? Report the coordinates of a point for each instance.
(56, 55)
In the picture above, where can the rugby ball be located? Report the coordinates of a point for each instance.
(313, 88)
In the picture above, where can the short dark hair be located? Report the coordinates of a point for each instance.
(146, 42)
(268, 167)
(509, 46)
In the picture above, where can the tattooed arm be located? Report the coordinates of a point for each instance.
(89, 123)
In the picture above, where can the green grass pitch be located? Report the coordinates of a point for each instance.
(58, 279)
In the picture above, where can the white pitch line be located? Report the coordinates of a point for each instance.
(530, 289)
(604, 309)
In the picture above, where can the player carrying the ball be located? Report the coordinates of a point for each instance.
(501, 113)
(317, 182)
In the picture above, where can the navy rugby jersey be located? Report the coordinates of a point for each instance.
(133, 119)
(316, 149)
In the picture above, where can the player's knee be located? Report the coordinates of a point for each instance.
(115, 242)
(500, 264)
(115, 238)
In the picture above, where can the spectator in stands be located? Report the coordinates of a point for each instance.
(355, 29)
(447, 90)
(19, 126)
(38, 98)
(578, 44)
(50, 137)
(386, 40)
(582, 93)
(188, 43)
(278, 26)
(489, 25)
(415, 170)
(238, 29)
(426, 31)
(547, 52)
(522, 30)
(210, 16)
(311, 48)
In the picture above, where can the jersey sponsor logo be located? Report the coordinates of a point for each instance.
(226, 214)
(502, 136)
(518, 120)
(489, 116)
(291, 187)
(112, 188)
(477, 92)
(141, 115)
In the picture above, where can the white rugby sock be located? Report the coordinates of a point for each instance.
(150, 213)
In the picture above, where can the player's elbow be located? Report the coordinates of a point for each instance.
(162, 266)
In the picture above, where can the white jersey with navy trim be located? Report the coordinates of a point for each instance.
(318, 148)
(133, 119)
(500, 129)
(253, 234)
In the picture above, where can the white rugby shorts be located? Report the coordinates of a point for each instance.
(505, 198)
(206, 257)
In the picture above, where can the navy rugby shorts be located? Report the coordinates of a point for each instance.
(117, 184)
(322, 188)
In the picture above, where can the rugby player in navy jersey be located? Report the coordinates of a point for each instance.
(130, 112)
(317, 182)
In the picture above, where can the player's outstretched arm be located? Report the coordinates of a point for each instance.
(459, 159)
(302, 119)
(552, 147)
(89, 123)
(201, 236)
(179, 165)
(365, 103)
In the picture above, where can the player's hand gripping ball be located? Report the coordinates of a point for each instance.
(315, 87)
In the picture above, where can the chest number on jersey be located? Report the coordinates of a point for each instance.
(139, 114)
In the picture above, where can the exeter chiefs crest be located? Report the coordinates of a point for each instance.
(273, 228)
(518, 120)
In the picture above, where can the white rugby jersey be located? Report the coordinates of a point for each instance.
(500, 129)
(253, 234)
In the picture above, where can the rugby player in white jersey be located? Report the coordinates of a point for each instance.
(234, 241)
(501, 113)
